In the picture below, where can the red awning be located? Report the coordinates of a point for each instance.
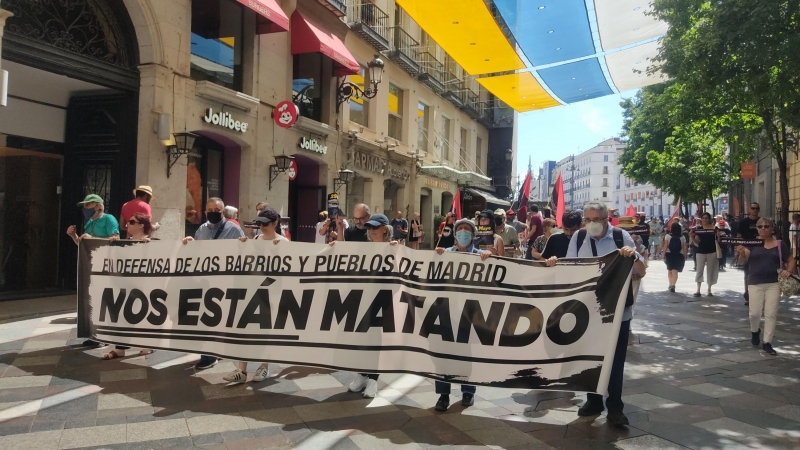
(308, 38)
(271, 18)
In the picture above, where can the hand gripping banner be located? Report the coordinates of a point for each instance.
(371, 308)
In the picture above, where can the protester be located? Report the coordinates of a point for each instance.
(139, 229)
(657, 235)
(215, 227)
(283, 229)
(675, 251)
(511, 218)
(400, 226)
(535, 229)
(356, 232)
(321, 236)
(724, 230)
(507, 232)
(268, 221)
(558, 244)
(416, 232)
(140, 203)
(378, 230)
(793, 229)
(613, 217)
(640, 221)
(496, 244)
(747, 230)
(600, 239)
(446, 236)
(766, 265)
(540, 242)
(706, 253)
(231, 214)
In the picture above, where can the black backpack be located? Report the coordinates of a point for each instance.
(675, 245)
(620, 242)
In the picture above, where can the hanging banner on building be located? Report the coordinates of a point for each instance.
(370, 308)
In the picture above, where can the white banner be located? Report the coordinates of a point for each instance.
(370, 308)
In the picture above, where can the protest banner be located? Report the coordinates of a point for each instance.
(741, 241)
(369, 308)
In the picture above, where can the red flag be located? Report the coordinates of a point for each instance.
(524, 194)
(676, 213)
(737, 208)
(631, 211)
(456, 208)
(559, 204)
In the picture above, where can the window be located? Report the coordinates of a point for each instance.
(605, 194)
(479, 155)
(605, 170)
(359, 107)
(605, 158)
(605, 182)
(445, 138)
(463, 155)
(217, 41)
(306, 84)
(395, 112)
(422, 126)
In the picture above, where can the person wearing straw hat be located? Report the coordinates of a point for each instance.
(140, 204)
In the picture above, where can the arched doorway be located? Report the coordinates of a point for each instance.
(307, 197)
(70, 128)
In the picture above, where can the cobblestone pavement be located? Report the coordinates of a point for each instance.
(693, 380)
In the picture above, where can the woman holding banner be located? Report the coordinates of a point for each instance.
(139, 229)
(446, 237)
(378, 230)
(268, 221)
(705, 237)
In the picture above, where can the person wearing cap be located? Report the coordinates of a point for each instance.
(378, 230)
(99, 225)
(142, 196)
(268, 221)
(215, 227)
(507, 232)
(511, 219)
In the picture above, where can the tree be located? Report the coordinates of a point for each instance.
(737, 57)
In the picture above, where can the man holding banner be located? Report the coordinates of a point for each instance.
(598, 238)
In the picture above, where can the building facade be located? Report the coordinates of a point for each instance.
(588, 177)
(102, 111)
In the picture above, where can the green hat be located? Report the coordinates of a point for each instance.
(91, 198)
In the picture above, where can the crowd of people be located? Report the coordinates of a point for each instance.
(595, 231)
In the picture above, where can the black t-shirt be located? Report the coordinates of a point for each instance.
(764, 264)
(354, 234)
(448, 238)
(707, 242)
(747, 228)
(557, 246)
(645, 237)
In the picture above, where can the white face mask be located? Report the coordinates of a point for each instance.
(594, 229)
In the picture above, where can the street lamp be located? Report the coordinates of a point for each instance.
(282, 164)
(348, 90)
(345, 176)
(184, 142)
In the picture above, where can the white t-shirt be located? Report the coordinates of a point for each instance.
(319, 238)
(793, 232)
(279, 237)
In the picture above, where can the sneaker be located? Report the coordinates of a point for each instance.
(467, 400)
(372, 388)
(358, 384)
(617, 419)
(590, 409)
(237, 376)
(206, 362)
(767, 347)
(262, 373)
(443, 403)
(755, 338)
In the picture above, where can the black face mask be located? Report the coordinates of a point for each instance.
(498, 221)
(214, 217)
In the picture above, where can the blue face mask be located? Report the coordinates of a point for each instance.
(88, 213)
(463, 237)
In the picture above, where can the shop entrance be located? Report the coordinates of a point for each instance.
(307, 197)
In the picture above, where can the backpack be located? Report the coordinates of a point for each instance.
(675, 245)
(619, 242)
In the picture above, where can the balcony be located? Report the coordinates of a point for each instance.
(335, 6)
(455, 91)
(405, 50)
(432, 72)
(472, 104)
(369, 22)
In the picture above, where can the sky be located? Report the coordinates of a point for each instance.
(555, 133)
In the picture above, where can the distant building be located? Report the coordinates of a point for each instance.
(588, 177)
(642, 196)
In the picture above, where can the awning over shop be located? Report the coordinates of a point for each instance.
(459, 176)
(271, 18)
(308, 38)
(490, 199)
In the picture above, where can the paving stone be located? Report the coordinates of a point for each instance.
(123, 375)
(730, 428)
(215, 423)
(25, 382)
(394, 439)
(157, 430)
(712, 390)
(44, 440)
(93, 436)
(788, 411)
(318, 382)
(770, 379)
(648, 442)
(647, 401)
(130, 400)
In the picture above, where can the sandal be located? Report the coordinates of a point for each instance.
(146, 351)
(113, 355)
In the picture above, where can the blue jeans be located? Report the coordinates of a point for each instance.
(614, 401)
(443, 387)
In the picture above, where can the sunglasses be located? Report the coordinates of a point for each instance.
(133, 222)
(761, 227)
(754, 207)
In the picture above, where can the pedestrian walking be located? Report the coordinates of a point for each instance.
(645, 238)
(747, 230)
(724, 230)
(767, 263)
(706, 236)
(675, 252)
(215, 227)
(142, 196)
(400, 226)
(657, 236)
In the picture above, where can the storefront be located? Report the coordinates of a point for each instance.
(382, 179)
(473, 200)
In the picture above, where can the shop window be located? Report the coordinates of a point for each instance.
(203, 180)
(422, 126)
(445, 138)
(479, 155)
(395, 112)
(217, 41)
(307, 85)
(463, 147)
(359, 107)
